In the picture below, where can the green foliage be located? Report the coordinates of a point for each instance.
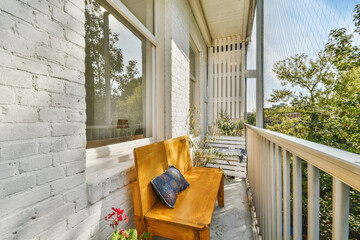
(228, 126)
(329, 109)
(203, 152)
(251, 119)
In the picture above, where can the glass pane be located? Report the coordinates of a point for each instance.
(115, 80)
(143, 11)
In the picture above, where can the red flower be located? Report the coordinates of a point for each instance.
(119, 211)
(120, 218)
(127, 219)
(122, 231)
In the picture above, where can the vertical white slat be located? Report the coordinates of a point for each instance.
(228, 76)
(297, 199)
(216, 81)
(341, 206)
(221, 75)
(286, 193)
(273, 190)
(264, 188)
(268, 189)
(243, 82)
(233, 78)
(313, 202)
(278, 193)
(262, 191)
(211, 88)
(224, 76)
(238, 93)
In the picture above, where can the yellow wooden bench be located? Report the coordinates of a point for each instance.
(191, 217)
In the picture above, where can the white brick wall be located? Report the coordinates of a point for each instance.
(45, 191)
(177, 45)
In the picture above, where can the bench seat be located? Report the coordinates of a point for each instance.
(191, 217)
(194, 206)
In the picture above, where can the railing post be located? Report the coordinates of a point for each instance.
(313, 202)
(268, 189)
(286, 196)
(297, 199)
(341, 206)
(278, 193)
(273, 190)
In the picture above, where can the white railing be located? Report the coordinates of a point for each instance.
(269, 179)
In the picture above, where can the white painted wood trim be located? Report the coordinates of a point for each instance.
(121, 9)
(197, 10)
(211, 87)
(228, 80)
(239, 85)
(215, 80)
(233, 82)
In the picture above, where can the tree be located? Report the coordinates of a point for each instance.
(329, 105)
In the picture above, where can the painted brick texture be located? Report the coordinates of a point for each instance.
(44, 190)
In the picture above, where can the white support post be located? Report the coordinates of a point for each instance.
(313, 202)
(259, 63)
(297, 199)
(341, 206)
(239, 95)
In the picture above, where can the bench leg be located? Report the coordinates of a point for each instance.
(221, 193)
(204, 234)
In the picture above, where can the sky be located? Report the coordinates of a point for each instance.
(128, 42)
(296, 27)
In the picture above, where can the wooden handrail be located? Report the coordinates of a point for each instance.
(269, 179)
(338, 163)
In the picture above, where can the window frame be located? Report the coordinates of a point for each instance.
(117, 7)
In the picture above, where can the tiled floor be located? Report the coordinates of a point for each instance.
(232, 222)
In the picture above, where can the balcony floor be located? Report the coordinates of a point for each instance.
(232, 222)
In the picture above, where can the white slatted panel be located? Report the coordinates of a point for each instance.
(226, 78)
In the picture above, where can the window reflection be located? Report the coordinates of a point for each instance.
(115, 83)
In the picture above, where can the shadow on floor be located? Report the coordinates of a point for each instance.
(232, 222)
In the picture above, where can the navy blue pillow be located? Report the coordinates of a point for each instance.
(169, 184)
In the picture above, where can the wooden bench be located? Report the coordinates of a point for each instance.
(191, 217)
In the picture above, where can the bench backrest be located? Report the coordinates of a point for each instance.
(152, 160)
(178, 153)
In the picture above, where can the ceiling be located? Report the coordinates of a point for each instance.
(228, 17)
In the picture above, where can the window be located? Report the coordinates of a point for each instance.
(143, 10)
(118, 79)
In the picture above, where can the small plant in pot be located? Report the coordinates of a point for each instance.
(115, 218)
